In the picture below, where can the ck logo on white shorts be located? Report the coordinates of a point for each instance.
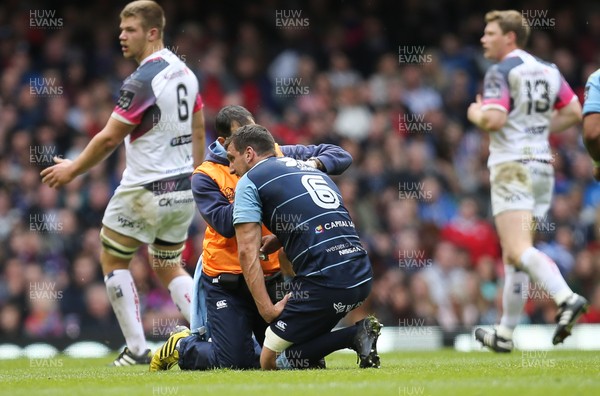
(221, 304)
(281, 325)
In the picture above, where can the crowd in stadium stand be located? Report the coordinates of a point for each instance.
(389, 83)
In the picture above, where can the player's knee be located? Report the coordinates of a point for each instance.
(268, 359)
(273, 346)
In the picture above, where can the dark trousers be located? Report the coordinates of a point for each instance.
(233, 318)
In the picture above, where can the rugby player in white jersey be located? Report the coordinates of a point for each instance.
(159, 116)
(524, 100)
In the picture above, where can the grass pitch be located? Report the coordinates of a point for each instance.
(445, 372)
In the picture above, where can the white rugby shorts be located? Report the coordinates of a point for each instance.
(148, 213)
(526, 185)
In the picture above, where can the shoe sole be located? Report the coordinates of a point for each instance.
(119, 363)
(372, 360)
(562, 333)
(167, 350)
(480, 335)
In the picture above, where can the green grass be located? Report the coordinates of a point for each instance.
(402, 374)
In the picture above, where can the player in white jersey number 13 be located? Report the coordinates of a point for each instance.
(159, 117)
(524, 100)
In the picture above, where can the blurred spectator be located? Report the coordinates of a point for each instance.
(446, 281)
(469, 231)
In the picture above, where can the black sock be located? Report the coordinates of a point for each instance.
(307, 353)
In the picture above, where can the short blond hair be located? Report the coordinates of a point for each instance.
(150, 13)
(511, 21)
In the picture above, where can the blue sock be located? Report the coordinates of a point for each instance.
(308, 353)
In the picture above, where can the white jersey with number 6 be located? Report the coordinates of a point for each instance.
(528, 89)
(160, 97)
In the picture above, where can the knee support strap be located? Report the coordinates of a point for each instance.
(115, 248)
(274, 342)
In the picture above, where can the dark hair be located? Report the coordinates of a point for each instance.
(255, 136)
(227, 115)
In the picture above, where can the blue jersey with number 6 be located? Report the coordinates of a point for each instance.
(304, 209)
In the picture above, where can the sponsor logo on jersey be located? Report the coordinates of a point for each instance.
(338, 223)
(353, 249)
(319, 229)
(535, 130)
(221, 304)
(337, 247)
(181, 140)
(175, 74)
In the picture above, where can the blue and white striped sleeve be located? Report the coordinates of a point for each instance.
(592, 94)
(247, 206)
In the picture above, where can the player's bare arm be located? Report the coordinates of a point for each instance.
(101, 145)
(488, 120)
(566, 117)
(198, 137)
(249, 240)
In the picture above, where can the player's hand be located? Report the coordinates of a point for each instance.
(314, 163)
(474, 111)
(59, 174)
(269, 244)
(277, 309)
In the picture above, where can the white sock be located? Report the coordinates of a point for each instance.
(123, 297)
(544, 271)
(181, 289)
(514, 297)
